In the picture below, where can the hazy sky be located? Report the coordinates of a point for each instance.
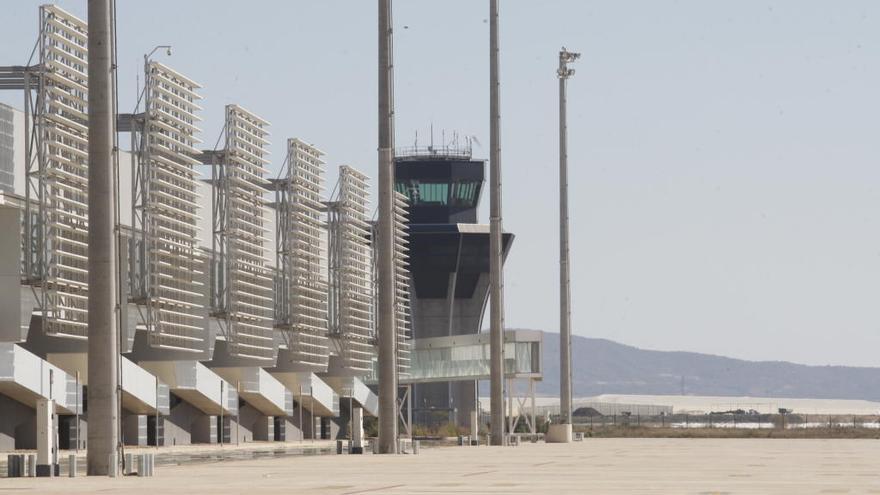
(724, 173)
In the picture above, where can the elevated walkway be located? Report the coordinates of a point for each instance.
(466, 358)
(195, 383)
(27, 378)
(315, 395)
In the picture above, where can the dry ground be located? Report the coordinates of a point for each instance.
(606, 465)
(667, 432)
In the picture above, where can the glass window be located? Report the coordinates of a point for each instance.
(464, 193)
(434, 192)
(424, 193)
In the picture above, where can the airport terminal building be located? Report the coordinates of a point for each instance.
(247, 301)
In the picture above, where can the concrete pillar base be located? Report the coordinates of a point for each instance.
(559, 433)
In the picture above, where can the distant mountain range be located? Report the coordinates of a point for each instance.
(605, 367)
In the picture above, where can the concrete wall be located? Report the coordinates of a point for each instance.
(67, 438)
(293, 430)
(18, 428)
(204, 429)
(134, 429)
(277, 428)
(186, 425)
(329, 428)
(252, 426)
(290, 430)
(431, 316)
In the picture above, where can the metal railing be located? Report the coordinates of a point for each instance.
(443, 152)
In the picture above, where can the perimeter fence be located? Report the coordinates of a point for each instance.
(729, 420)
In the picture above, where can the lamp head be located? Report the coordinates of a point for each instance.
(566, 56)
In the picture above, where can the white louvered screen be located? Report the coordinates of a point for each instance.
(303, 285)
(401, 272)
(240, 229)
(58, 174)
(168, 203)
(350, 268)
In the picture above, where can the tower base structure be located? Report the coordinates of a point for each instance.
(558, 433)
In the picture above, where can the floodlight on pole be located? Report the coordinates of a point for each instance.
(563, 72)
(158, 47)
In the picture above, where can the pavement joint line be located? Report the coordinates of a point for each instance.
(477, 473)
(389, 487)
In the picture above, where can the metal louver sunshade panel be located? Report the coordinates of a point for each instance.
(166, 211)
(246, 299)
(402, 278)
(303, 299)
(57, 173)
(350, 267)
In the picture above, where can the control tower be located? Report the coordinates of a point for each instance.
(449, 264)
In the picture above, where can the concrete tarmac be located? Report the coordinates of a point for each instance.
(615, 465)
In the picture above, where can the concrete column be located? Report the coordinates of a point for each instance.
(496, 288)
(475, 427)
(386, 321)
(46, 448)
(103, 347)
(357, 434)
(134, 429)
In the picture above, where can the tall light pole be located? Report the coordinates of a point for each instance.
(564, 268)
(386, 317)
(103, 393)
(496, 262)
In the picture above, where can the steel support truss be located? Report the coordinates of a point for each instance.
(241, 280)
(404, 409)
(521, 406)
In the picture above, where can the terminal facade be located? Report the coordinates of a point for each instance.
(248, 301)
